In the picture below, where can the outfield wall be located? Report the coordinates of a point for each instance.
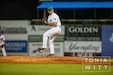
(21, 37)
(74, 40)
(16, 35)
(35, 40)
(107, 41)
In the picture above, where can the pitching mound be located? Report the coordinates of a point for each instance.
(41, 60)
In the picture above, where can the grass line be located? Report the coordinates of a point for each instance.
(46, 69)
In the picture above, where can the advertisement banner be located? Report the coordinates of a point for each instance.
(82, 33)
(35, 45)
(16, 46)
(83, 46)
(107, 41)
(12, 29)
(40, 29)
(39, 38)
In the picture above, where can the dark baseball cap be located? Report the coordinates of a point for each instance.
(50, 8)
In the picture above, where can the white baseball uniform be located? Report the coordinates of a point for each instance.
(52, 33)
(2, 39)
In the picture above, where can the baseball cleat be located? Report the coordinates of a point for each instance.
(42, 50)
(50, 55)
(37, 50)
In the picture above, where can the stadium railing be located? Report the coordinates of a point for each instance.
(78, 21)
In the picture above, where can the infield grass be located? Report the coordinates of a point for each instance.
(46, 69)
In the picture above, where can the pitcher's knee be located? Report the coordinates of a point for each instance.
(45, 34)
(50, 41)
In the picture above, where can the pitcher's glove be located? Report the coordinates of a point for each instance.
(44, 20)
(2, 46)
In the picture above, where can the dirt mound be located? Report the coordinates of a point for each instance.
(41, 60)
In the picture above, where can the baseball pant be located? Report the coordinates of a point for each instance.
(49, 36)
(3, 49)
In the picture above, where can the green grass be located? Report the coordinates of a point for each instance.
(46, 69)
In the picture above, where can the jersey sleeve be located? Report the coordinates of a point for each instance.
(3, 38)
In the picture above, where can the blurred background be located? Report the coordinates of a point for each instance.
(26, 10)
(23, 19)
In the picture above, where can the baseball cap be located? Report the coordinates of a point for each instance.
(50, 8)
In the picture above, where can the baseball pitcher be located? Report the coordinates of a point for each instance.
(2, 44)
(50, 35)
